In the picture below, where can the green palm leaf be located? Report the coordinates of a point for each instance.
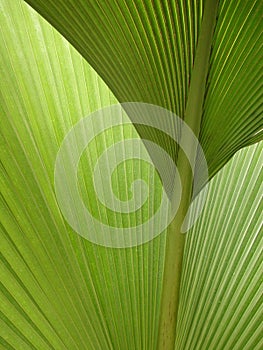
(145, 51)
(221, 296)
(60, 291)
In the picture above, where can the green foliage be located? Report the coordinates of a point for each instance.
(60, 291)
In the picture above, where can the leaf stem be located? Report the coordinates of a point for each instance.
(175, 240)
